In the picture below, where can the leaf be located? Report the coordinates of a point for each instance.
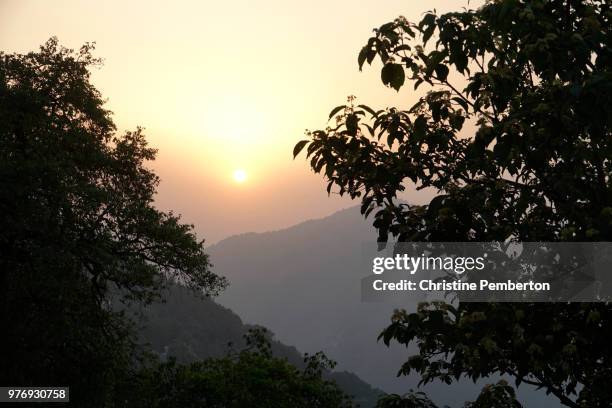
(428, 33)
(367, 109)
(402, 47)
(461, 62)
(336, 110)
(366, 204)
(299, 146)
(363, 54)
(314, 145)
(371, 55)
(435, 204)
(429, 22)
(420, 126)
(456, 121)
(462, 102)
(393, 75)
(441, 72)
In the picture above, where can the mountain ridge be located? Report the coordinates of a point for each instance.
(301, 224)
(304, 283)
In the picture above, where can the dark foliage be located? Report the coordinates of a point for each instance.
(252, 377)
(77, 221)
(191, 329)
(514, 134)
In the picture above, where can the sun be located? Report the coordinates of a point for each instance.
(240, 175)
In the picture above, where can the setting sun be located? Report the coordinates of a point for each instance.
(240, 176)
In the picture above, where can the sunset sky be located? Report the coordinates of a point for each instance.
(225, 89)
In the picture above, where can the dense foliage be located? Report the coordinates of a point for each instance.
(77, 223)
(252, 377)
(499, 395)
(514, 135)
(191, 329)
(409, 400)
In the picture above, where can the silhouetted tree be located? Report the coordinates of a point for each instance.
(249, 378)
(77, 223)
(500, 395)
(514, 133)
(409, 400)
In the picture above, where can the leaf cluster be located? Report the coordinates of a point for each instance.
(514, 136)
(514, 124)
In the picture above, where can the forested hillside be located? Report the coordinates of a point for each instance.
(192, 328)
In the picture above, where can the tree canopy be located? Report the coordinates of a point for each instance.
(514, 135)
(77, 225)
(251, 377)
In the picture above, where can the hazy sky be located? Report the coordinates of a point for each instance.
(225, 85)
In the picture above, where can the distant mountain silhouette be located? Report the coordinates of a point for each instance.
(191, 328)
(303, 283)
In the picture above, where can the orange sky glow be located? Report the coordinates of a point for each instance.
(226, 86)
